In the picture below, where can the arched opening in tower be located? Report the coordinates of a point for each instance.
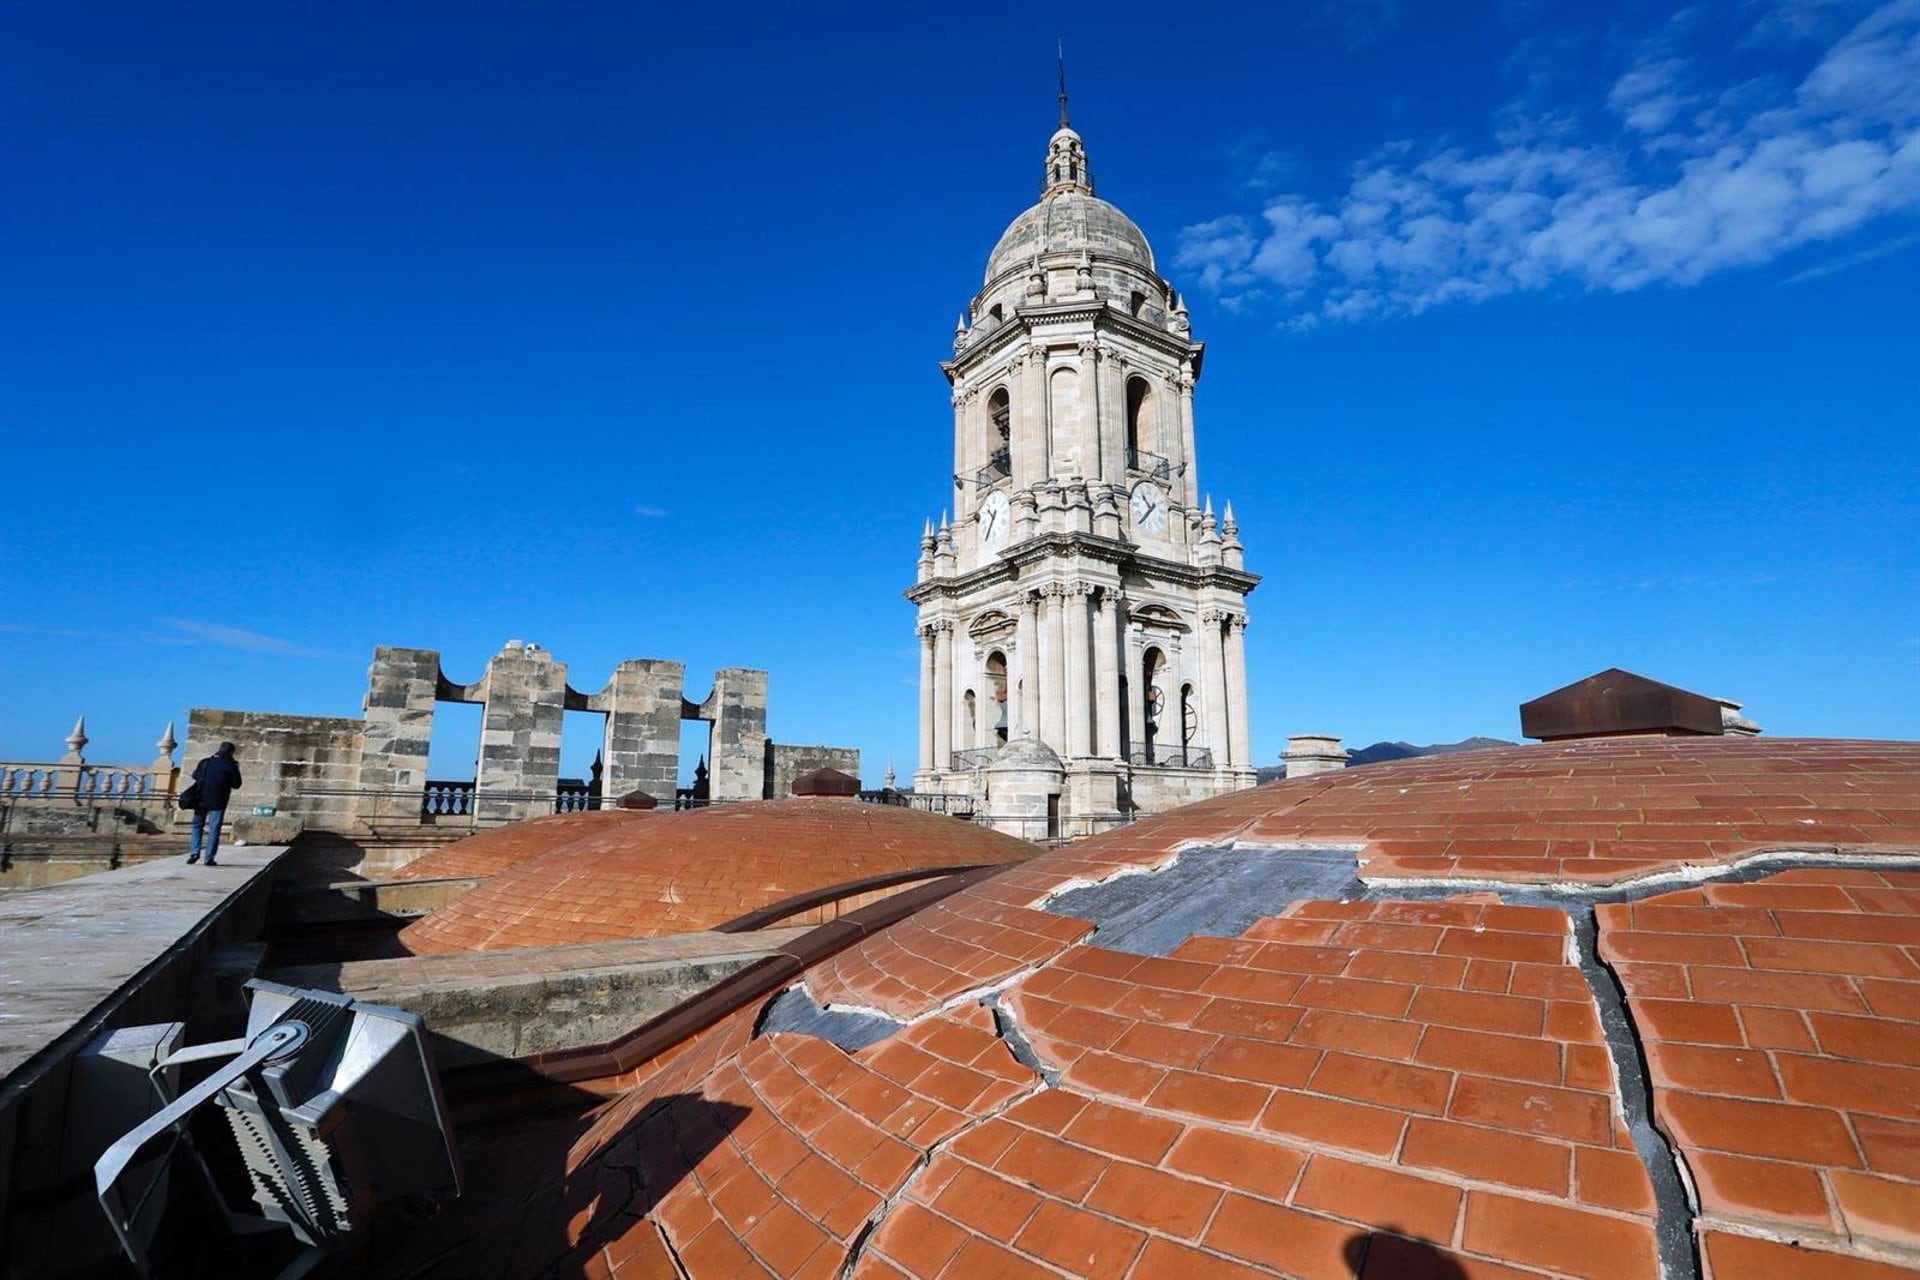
(997, 699)
(1139, 420)
(1153, 667)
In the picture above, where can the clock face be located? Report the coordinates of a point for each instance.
(994, 518)
(1149, 507)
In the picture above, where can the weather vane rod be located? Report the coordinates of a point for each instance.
(1061, 46)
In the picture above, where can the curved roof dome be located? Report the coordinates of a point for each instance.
(491, 852)
(1070, 222)
(680, 872)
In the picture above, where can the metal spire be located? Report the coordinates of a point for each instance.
(1061, 47)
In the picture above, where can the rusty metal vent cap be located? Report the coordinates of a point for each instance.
(1618, 702)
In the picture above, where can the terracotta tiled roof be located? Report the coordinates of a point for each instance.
(677, 872)
(1597, 811)
(1415, 1080)
(1781, 1023)
(491, 852)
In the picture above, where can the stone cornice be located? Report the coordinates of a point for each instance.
(1100, 312)
(1036, 552)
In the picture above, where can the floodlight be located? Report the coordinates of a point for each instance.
(334, 1104)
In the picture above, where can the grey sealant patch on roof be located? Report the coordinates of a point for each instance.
(1217, 892)
(794, 1010)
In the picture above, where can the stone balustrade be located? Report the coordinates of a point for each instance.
(73, 780)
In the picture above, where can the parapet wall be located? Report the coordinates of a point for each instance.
(305, 768)
(365, 780)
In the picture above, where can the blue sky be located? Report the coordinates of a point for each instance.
(1542, 338)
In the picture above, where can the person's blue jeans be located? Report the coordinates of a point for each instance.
(205, 822)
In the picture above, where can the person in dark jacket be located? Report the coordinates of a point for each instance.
(218, 777)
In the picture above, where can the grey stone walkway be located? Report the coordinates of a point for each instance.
(66, 949)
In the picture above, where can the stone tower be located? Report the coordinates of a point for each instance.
(1083, 594)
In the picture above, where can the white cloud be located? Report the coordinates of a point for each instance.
(1649, 95)
(1688, 185)
(189, 631)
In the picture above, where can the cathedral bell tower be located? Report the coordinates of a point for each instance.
(1082, 613)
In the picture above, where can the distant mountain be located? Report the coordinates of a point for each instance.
(1382, 751)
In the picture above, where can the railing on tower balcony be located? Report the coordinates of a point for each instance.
(1176, 756)
(443, 798)
(1151, 463)
(574, 795)
(973, 758)
(999, 467)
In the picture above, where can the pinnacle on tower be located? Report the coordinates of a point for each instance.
(1067, 170)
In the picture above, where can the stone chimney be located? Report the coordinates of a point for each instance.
(1311, 753)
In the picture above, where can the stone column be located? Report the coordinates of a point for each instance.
(1213, 684)
(962, 675)
(1091, 440)
(1238, 736)
(1192, 473)
(1029, 667)
(1030, 419)
(1078, 712)
(1106, 676)
(1110, 379)
(1132, 655)
(943, 694)
(1052, 678)
(963, 463)
(929, 678)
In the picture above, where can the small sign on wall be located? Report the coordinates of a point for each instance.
(263, 811)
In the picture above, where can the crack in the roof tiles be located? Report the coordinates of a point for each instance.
(1676, 1207)
(673, 1254)
(872, 1227)
(1742, 869)
(1007, 1026)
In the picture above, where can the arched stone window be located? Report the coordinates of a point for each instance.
(1139, 421)
(970, 729)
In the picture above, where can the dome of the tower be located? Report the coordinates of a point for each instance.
(1027, 754)
(1070, 222)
